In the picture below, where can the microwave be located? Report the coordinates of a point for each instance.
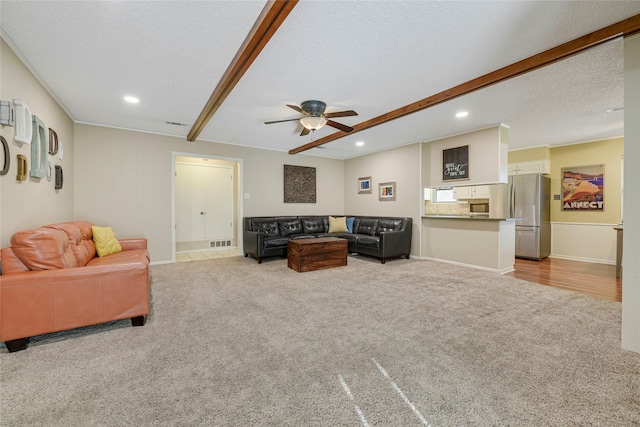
(479, 207)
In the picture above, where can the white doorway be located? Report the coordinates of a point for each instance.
(206, 203)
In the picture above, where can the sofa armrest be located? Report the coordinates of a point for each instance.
(131, 244)
(251, 242)
(393, 243)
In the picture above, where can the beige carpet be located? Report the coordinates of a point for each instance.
(409, 343)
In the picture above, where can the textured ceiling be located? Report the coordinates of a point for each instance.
(369, 56)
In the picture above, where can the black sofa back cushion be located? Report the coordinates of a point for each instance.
(314, 225)
(266, 226)
(367, 226)
(290, 226)
(389, 225)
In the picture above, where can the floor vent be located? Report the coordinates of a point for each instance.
(220, 243)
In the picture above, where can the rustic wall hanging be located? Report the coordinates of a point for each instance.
(7, 156)
(299, 184)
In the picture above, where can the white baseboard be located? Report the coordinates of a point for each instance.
(582, 259)
(477, 267)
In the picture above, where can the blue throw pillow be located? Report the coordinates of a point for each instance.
(350, 224)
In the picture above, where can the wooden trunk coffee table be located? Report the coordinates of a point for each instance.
(316, 254)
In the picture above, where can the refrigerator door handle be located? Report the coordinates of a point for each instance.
(512, 199)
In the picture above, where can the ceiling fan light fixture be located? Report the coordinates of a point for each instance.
(313, 123)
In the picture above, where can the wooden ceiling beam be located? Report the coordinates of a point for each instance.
(623, 28)
(272, 16)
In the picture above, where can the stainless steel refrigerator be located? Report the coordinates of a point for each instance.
(529, 200)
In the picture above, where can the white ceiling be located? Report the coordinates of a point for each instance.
(369, 56)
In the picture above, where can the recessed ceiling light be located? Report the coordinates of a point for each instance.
(462, 114)
(131, 99)
(359, 143)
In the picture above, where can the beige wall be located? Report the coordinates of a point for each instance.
(124, 180)
(399, 165)
(608, 152)
(530, 154)
(487, 157)
(34, 202)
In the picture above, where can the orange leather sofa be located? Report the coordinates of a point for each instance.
(52, 281)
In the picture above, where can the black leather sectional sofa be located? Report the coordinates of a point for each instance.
(380, 237)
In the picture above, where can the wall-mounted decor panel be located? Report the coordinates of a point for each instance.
(39, 149)
(299, 184)
(6, 161)
(7, 113)
(23, 122)
(53, 142)
(58, 177)
(22, 168)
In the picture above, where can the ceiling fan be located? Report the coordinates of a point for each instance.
(314, 117)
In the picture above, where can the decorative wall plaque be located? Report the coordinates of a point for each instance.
(299, 184)
(39, 149)
(22, 168)
(7, 156)
(455, 163)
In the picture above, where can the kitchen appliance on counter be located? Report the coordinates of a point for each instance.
(529, 201)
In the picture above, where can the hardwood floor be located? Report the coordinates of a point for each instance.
(593, 279)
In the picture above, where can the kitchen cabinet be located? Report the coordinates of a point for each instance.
(525, 168)
(471, 192)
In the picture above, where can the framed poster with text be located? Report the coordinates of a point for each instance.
(583, 188)
(455, 163)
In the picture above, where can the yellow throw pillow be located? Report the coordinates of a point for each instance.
(105, 241)
(338, 224)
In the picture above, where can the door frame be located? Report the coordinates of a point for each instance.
(238, 191)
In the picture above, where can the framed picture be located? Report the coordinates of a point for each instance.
(364, 185)
(387, 191)
(583, 188)
(299, 184)
(455, 163)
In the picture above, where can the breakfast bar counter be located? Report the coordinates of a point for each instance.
(479, 241)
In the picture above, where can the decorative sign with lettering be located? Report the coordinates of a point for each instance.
(583, 188)
(455, 163)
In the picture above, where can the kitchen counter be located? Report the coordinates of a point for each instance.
(473, 240)
(473, 217)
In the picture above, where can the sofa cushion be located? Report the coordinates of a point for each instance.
(367, 226)
(105, 241)
(80, 239)
(268, 227)
(372, 241)
(43, 249)
(389, 225)
(313, 225)
(338, 224)
(275, 241)
(290, 226)
(350, 224)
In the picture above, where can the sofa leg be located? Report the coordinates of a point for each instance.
(259, 260)
(246, 255)
(17, 345)
(408, 256)
(382, 260)
(138, 320)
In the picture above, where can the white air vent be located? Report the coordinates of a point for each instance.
(220, 243)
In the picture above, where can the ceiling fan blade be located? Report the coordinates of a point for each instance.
(280, 121)
(304, 132)
(298, 109)
(341, 114)
(340, 126)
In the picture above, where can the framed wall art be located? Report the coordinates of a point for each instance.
(299, 184)
(364, 185)
(455, 163)
(583, 188)
(387, 191)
